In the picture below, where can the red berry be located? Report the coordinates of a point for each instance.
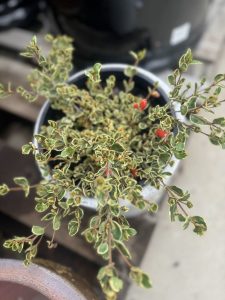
(161, 133)
(135, 105)
(143, 104)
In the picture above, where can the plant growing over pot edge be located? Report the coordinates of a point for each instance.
(106, 144)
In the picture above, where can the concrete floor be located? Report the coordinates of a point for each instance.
(183, 265)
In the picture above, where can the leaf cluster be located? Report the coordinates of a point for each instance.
(105, 147)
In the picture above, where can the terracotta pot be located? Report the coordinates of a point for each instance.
(43, 280)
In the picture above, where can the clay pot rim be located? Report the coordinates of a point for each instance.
(40, 279)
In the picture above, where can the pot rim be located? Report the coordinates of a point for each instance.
(40, 279)
(142, 73)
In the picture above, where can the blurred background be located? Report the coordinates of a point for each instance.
(182, 265)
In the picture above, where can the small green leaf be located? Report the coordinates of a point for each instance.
(172, 79)
(102, 248)
(215, 140)
(116, 284)
(179, 154)
(41, 207)
(56, 222)
(199, 225)
(116, 231)
(219, 121)
(219, 77)
(178, 191)
(130, 71)
(123, 249)
(23, 183)
(173, 210)
(131, 231)
(26, 149)
(134, 55)
(73, 227)
(4, 189)
(38, 230)
(196, 62)
(198, 120)
(184, 109)
(117, 147)
(142, 279)
(67, 152)
(191, 104)
(153, 207)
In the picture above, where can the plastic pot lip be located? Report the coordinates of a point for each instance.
(141, 73)
(148, 192)
(40, 279)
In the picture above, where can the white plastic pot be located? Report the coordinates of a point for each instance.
(143, 79)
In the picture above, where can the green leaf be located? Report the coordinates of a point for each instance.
(184, 109)
(186, 223)
(141, 54)
(173, 210)
(89, 236)
(67, 152)
(172, 79)
(219, 121)
(199, 225)
(116, 284)
(103, 248)
(123, 249)
(38, 230)
(178, 191)
(179, 154)
(73, 227)
(219, 77)
(134, 55)
(146, 283)
(196, 62)
(130, 71)
(191, 104)
(181, 218)
(215, 140)
(131, 231)
(41, 207)
(142, 279)
(117, 147)
(153, 207)
(23, 183)
(63, 205)
(116, 231)
(56, 222)
(26, 149)
(198, 120)
(4, 189)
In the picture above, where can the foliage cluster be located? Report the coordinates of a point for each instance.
(107, 145)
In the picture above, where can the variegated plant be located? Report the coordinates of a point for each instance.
(108, 143)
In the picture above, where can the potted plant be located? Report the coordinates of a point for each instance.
(105, 137)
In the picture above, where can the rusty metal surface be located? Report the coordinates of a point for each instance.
(41, 280)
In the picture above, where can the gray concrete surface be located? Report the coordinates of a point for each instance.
(183, 265)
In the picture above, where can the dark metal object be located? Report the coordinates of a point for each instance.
(106, 31)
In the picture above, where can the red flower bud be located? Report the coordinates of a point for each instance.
(135, 105)
(143, 104)
(134, 172)
(161, 133)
